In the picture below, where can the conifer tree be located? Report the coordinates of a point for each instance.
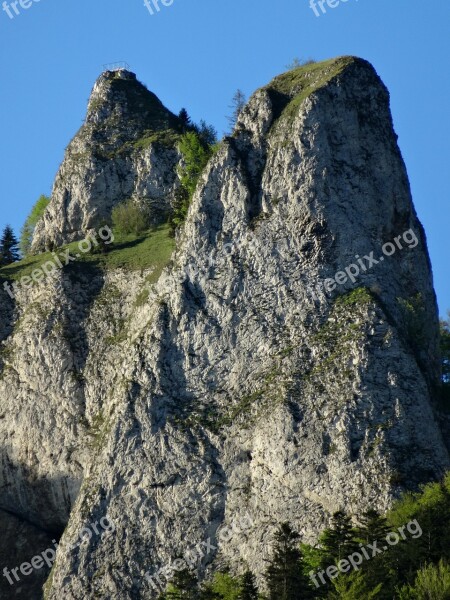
(226, 586)
(354, 586)
(207, 133)
(373, 529)
(237, 104)
(284, 576)
(9, 252)
(195, 158)
(249, 591)
(432, 583)
(338, 542)
(185, 119)
(184, 586)
(207, 593)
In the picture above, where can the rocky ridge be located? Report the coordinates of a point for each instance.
(233, 392)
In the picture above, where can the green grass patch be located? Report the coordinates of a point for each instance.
(151, 249)
(357, 297)
(168, 138)
(298, 84)
(296, 80)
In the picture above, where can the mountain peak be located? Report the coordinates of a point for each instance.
(118, 97)
(126, 148)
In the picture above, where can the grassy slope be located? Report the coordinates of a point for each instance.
(153, 249)
(297, 84)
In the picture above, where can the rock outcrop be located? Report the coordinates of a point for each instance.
(235, 390)
(127, 148)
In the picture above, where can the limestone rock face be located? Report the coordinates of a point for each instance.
(125, 149)
(54, 363)
(239, 394)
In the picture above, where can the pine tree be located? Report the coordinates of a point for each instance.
(249, 591)
(354, 586)
(284, 576)
(9, 252)
(375, 528)
(180, 208)
(207, 593)
(432, 582)
(184, 586)
(207, 133)
(226, 586)
(237, 104)
(338, 542)
(195, 158)
(185, 119)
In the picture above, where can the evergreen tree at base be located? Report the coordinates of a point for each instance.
(184, 586)
(285, 578)
(185, 119)
(353, 586)
(432, 583)
(375, 528)
(338, 542)
(249, 591)
(9, 252)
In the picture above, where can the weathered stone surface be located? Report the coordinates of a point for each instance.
(233, 392)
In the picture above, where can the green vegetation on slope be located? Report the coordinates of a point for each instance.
(152, 249)
(310, 76)
(196, 153)
(26, 235)
(167, 138)
(299, 83)
(131, 217)
(406, 556)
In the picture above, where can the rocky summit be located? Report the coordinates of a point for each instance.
(127, 147)
(247, 377)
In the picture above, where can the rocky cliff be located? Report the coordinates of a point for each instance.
(233, 387)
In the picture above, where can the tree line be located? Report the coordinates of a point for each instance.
(12, 249)
(415, 568)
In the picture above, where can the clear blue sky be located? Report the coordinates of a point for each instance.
(196, 53)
